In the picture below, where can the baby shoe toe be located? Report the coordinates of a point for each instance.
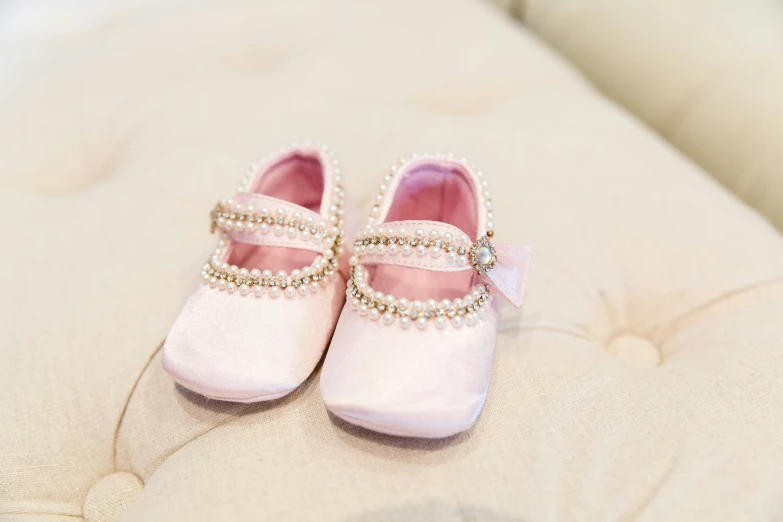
(408, 382)
(248, 349)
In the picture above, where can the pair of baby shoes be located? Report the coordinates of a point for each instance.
(407, 300)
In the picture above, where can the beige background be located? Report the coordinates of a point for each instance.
(706, 74)
(642, 380)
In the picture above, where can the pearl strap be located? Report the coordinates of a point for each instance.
(218, 274)
(437, 247)
(289, 226)
(263, 220)
(375, 305)
(442, 248)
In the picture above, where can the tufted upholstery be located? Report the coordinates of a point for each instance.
(706, 75)
(641, 382)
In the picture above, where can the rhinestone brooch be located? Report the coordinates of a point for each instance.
(482, 255)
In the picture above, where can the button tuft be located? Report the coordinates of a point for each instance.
(111, 496)
(635, 349)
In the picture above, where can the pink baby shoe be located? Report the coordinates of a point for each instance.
(271, 292)
(419, 365)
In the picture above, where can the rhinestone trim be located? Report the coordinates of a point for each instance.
(378, 240)
(366, 301)
(475, 255)
(219, 274)
(230, 215)
(388, 242)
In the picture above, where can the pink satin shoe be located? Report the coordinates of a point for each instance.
(419, 365)
(271, 292)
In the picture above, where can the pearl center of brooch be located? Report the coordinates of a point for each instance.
(484, 256)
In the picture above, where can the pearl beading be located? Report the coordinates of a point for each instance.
(379, 240)
(369, 302)
(482, 255)
(219, 274)
(230, 215)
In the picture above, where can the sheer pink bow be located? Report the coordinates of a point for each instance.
(510, 271)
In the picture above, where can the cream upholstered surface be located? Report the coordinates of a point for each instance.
(705, 74)
(642, 380)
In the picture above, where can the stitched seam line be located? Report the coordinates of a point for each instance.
(128, 400)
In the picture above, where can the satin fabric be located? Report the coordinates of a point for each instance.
(247, 349)
(411, 383)
(428, 383)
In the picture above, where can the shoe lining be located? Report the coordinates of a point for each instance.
(430, 192)
(299, 179)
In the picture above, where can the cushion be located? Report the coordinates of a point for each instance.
(640, 381)
(706, 75)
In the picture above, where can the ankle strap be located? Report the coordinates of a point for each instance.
(428, 245)
(440, 247)
(263, 220)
